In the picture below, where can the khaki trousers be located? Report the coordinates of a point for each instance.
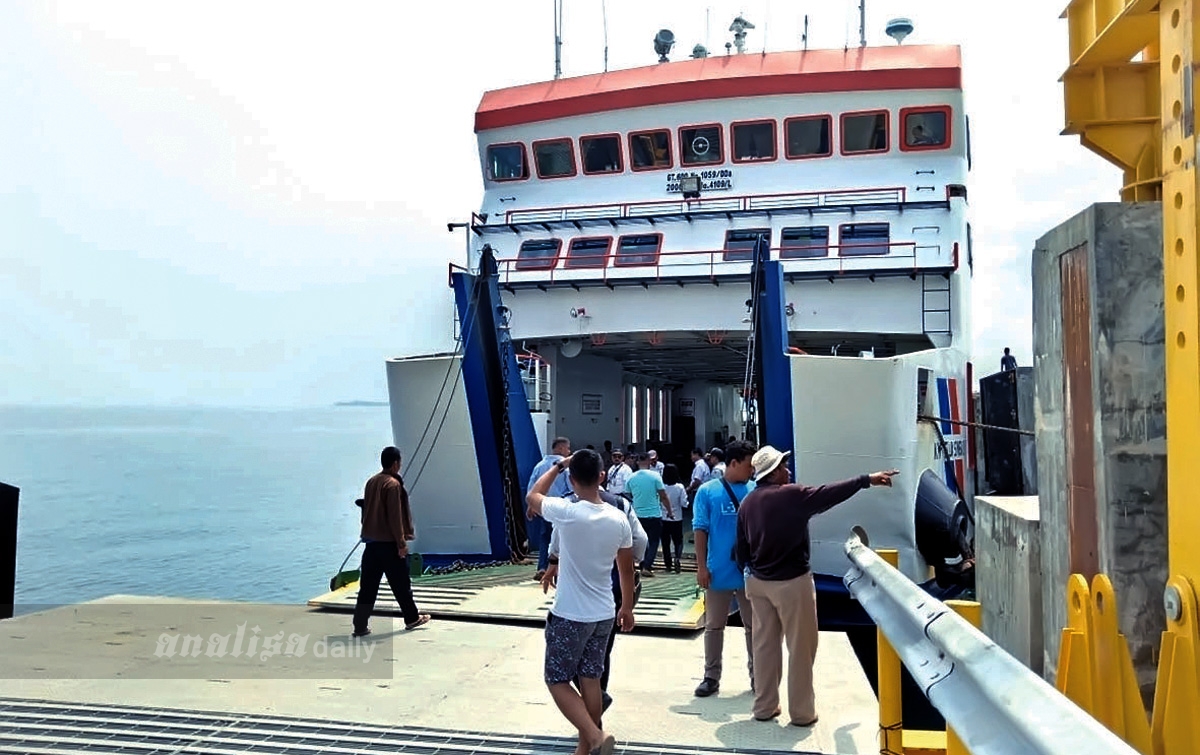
(716, 616)
(784, 611)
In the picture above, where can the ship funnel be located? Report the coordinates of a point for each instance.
(899, 28)
(663, 42)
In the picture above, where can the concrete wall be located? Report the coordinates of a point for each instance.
(1124, 251)
(1008, 575)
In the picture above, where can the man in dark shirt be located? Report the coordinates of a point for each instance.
(772, 540)
(1008, 362)
(387, 528)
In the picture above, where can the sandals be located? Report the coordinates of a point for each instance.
(421, 620)
(606, 747)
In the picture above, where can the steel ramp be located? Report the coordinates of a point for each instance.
(670, 602)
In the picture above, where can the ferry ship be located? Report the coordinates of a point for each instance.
(769, 246)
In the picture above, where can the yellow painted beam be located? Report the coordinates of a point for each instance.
(922, 742)
(1109, 31)
(1125, 93)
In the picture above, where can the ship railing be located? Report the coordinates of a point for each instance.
(897, 257)
(746, 203)
(995, 704)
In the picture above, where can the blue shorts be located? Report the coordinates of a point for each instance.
(575, 649)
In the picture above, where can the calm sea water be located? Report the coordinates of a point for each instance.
(197, 503)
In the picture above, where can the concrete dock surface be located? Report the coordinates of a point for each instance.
(448, 675)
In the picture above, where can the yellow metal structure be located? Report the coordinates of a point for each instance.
(1112, 100)
(972, 612)
(1094, 666)
(1108, 104)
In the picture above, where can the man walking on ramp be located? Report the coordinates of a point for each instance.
(592, 535)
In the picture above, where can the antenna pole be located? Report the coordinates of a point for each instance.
(804, 38)
(862, 23)
(557, 39)
(604, 15)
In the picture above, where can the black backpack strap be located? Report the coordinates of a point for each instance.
(732, 496)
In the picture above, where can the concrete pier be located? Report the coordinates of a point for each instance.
(1101, 418)
(448, 675)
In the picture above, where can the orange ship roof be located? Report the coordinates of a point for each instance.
(801, 72)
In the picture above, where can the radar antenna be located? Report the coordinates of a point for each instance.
(739, 27)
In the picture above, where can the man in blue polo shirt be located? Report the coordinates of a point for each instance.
(715, 525)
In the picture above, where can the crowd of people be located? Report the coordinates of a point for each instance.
(596, 520)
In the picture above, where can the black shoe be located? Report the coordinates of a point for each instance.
(707, 687)
(361, 633)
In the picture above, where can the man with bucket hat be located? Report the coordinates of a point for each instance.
(772, 541)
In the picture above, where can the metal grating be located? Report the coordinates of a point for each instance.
(38, 727)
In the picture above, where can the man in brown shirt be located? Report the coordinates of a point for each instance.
(386, 529)
(772, 540)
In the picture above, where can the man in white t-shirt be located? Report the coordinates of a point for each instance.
(592, 536)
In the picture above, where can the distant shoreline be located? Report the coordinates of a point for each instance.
(361, 403)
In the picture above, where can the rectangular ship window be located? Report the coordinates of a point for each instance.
(700, 145)
(554, 158)
(589, 252)
(864, 239)
(739, 245)
(808, 136)
(636, 251)
(798, 243)
(601, 154)
(753, 141)
(926, 128)
(506, 162)
(650, 150)
(538, 254)
(865, 132)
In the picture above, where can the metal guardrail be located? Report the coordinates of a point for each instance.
(995, 704)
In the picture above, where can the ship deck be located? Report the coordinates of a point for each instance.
(86, 678)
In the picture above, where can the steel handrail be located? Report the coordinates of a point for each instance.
(697, 205)
(713, 258)
(995, 704)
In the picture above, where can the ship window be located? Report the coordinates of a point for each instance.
(649, 150)
(739, 245)
(701, 145)
(926, 128)
(506, 162)
(808, 137)
(634, 251)
(865, 132)
(538, 254)
(797, 243)
(601, 154)
(862, 239)
(753, 141)
(590, 252)
(554, 158)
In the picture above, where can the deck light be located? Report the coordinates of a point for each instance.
(690, 186)
(663, 42)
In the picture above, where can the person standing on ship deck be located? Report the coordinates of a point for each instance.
(672, 525)
(618, 475)
(387, 527)
(550, 579)
(655, 464)
(772, 541)
(539, 529)
(592, 535)
(717, 572)
(651, 503)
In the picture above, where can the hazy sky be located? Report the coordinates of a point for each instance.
(244, 203)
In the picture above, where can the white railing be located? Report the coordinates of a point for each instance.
(759, 202)
(995, 704)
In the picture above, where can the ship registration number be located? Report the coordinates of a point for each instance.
(710, 180)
